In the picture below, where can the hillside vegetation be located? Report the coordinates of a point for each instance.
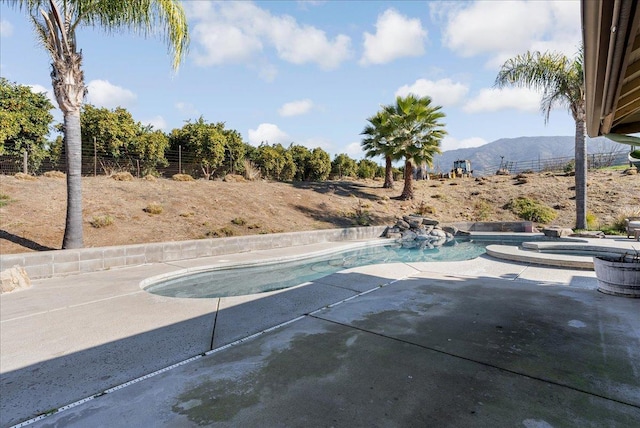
(32, 211)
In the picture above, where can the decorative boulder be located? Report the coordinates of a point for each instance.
(430, 222)
(408, 235)
(438, 233)
(402, 225)
(557, 231)
(14, 278)
(450, 229)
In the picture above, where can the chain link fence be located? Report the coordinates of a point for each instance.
(179, 161)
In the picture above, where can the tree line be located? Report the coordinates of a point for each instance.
(206, 149)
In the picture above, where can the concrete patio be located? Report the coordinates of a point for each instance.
(483, 342)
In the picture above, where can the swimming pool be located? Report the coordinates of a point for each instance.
(275, 276)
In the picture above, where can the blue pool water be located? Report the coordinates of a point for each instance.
(262, 278)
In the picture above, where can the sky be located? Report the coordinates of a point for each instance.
(312, 72)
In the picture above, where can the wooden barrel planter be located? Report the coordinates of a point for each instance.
(618, 276)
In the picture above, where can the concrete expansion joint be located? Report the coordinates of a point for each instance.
(483, 363)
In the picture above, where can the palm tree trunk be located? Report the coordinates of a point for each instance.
(73, 237)
(388, 173)
(407, 192)
(581, 174)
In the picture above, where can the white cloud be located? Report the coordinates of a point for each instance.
(451, 143)
(157, 122)
(268, 132)
(268, 72)
(354, 150)
(396, 36)
(187, 109)
(102, 93)
(224, 43)
(490, 100)
(237, 31)
(443, 92)
(6, 28)
(313, 142)
(505, 29)
(296, 108)
(41, 89)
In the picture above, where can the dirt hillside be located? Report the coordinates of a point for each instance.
(32, 212)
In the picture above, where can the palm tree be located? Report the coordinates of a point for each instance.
(56, 23)
(561, 81)
(415, 130)
(376, 143)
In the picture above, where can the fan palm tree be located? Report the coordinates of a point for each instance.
(376, 143)
(415, 130)
(56, 22)
(561, 81)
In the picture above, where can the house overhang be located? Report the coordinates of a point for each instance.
(611, 66)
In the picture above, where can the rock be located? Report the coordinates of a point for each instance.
(462, 233)
(450, 229)
(421, 237)
(430, 222)
(439, 242)
(402, 225)
(557, 231)
(631, 171)
(589, 234)
(14, 278)
(408, 235)
(438, 233)
(394, 235)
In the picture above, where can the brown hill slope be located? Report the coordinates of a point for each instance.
(33, 211)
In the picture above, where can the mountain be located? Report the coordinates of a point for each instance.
(524, 153)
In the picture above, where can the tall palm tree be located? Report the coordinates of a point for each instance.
(416, 131)
(561, 81)
(56, 22)
(376, 143)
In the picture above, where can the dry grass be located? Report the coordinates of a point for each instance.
(182, 177)
(55, 174)
(153, 208)
(23, 176)
(122, 176)
(101, 221)
(36, 208)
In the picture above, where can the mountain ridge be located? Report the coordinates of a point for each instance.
(486, 159)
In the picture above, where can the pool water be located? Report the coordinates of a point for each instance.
(269, 277)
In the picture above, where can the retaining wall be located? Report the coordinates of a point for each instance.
(46, 264)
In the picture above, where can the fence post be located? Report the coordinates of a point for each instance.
(95, 158)
(25, 162)
(180, 159)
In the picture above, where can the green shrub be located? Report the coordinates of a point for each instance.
(592, 221)
(4, 199)
(531, 210)
(570, 166)
(482, 210)
(101, 221)
(619, 225)
(635, 154)
(425, 209)
(362, 216)
(239, 221)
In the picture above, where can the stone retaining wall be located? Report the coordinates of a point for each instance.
(67, 262)
(495, 226)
